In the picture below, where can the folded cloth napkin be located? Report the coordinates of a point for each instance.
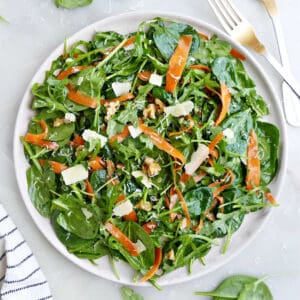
(20, 275)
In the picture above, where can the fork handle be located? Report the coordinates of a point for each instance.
(284, 73)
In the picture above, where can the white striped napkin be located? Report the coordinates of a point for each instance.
(20, 275)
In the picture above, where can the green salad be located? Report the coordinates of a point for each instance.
(147, 147)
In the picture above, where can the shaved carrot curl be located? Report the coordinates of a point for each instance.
(125, 97)
(237, 54)
(270, 198)
(223, 187)
(225, 98)
(253, 162)
(184, 208)
(144, 75)
(200, 67)
(161, 143)
(120, 137)
(149, 226)
(129, 41)
(177, 62)
(80, 98)
(56, 166)
(154, 268)
(122, 238)
(96, 163)
(89, 189)
(66, 73)
(214, 142)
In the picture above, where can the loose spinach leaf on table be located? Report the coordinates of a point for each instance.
(72, 3)
(240, 287)
(129, 294)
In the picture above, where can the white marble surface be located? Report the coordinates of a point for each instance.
(36, 28)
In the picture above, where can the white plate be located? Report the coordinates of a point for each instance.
(253, 223)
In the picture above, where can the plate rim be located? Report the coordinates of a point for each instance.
(147, 15)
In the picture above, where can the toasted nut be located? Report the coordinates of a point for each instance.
(57, 122)
(149, 111)
(110, 167)
(120, 166)
(151, 167)
(78, 150)
(159, 105)
(170, 255)
(111, 109)
(144, 205)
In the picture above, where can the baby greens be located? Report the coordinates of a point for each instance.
(129, 294)
(72, 3)
(240, 287)
(126, 157)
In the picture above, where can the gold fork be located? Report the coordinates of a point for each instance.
(242, 31)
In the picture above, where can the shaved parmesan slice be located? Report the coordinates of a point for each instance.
(180, 109)
(90, 135)
(74, 174)
(197, 158)
(140, 246)
(183, 223)
(134, 132)
(155, 79)
(121, 88)
(70, 117)
(123, 209)
(145, 180)
(129, 47)
(228, 134)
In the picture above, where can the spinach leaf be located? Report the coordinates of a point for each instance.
(231, 72)
(241, 124)
(129, 294)
(135, 232)
(90, 249)
(198, 200)
(268, 144)
(241, 287)
(76, 217)
(72, 3)
(61, 132)
(166, 38)
(39, 188)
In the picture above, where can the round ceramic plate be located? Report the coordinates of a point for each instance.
(124, 24)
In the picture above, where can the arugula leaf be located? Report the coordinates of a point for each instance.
(72, 3)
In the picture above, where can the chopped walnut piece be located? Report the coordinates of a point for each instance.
(159, 106)
(111, 109)
(57, 122)
(170, 255)
(149, 111)
(144, 205)
(110, 167)
(150, 167)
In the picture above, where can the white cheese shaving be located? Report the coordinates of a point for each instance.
(90, 135)
(197, 158)
(74, 174)
(123, 209)
(79, 80)
(134, 132)
(140, 246)
(156, 79)
(180, 109)
(145, 180)
(121, 88)
(228, 134)
(70, 117)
